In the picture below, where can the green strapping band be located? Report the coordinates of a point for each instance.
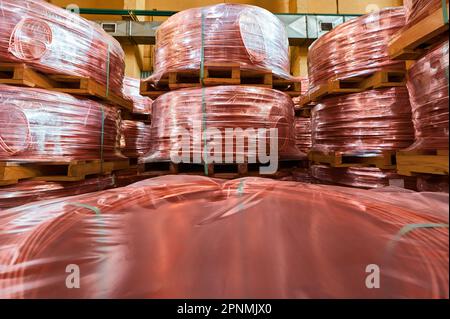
(96, 210)
(444, 11)
(202, 77)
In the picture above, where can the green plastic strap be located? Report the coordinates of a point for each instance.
(96, 210)
(202, 77)
(108, 62)
(444, 11)
(410, 227)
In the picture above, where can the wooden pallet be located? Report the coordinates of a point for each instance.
(13, 172)
(139, 117)
(224, 171)
(19, 74)
(410, 163)
(410, 44)
(356, 84)
(339, 159)
(219, 74)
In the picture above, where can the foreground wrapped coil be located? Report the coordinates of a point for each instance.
(55, 41)
(137, 138)
(195, 111)
(363, 123)
(303, 134)
(357, 47)
(428, 90)
(40, 125)
(131, 90)
(257, 238)
(248, 35)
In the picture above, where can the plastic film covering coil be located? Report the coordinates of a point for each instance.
(196, 111)
(361, 177)
(355, 48)
(369, 122)
(192, 226)
(303, 134)
(137, 138)
(416, 10)
(40, 125)
(131, 90)
(428, 90)
(55, 41)
(244, 34)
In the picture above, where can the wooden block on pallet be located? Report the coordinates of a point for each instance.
(222, 73)
(19, 74)
(338, 159)
(409, 43)
(411, 163)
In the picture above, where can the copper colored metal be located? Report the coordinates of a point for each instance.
(303, 134)
(356, 47)
(363, 123)
(40, 125)
(248, 35)
(432, 183)
(137, 138)
(131, 90)
(416, 10)
(54, 41)
(195, 237)
(361, 177)
(428, 90)
(225, 107)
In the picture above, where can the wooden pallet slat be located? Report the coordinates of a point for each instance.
(412, 163)
(339, 159)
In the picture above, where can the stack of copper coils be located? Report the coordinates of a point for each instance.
(357, 47)
(248, 35)
(195, 111)
(137, 138)
(40, 125)
(141, 104)
(416, 10)
(54, 41)
(303, 133)
(428, 89)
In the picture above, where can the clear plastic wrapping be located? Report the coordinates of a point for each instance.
(428, 91)
(416, 10)
(195, 237)
(303, 134)
(363, 123)
(131, 90)
(362, 177)
(137, 138)
(40, 125)
(32, 191)
(225, 107)
(244, 34)
(55, 41)
(356, 47)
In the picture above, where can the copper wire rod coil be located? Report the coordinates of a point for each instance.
(226, 107)
(416, 10)
(137, 137)
(368, 122)
(356, 47)
(40, 125)
(54, 41)
(303, 134)
(131, 90)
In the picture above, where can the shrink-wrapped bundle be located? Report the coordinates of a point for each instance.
(258, 238)
(137, 138)
(368, 122)
(185, 116)
(303, 133)
(40, 125)
(428, 91)
(55, 41)
(141, 104)
(357, 47)
(416, 10)
(248, 35)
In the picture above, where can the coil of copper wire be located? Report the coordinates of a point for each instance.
(54, 41)
(131, 90)
(137, 138)
(361, 177)
(40, 125)
(31, 191)
(416, 10)
(428, 90)
(225, 107)
(244, 34)
(356, 47)
(303, 134)
(325, 229)
(363, 123)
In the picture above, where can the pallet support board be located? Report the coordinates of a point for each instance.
(411, 163)
(384, 161)
(410, 43)
(19, 74)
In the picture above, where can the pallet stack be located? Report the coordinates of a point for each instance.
(217, 65)
(424, 44)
